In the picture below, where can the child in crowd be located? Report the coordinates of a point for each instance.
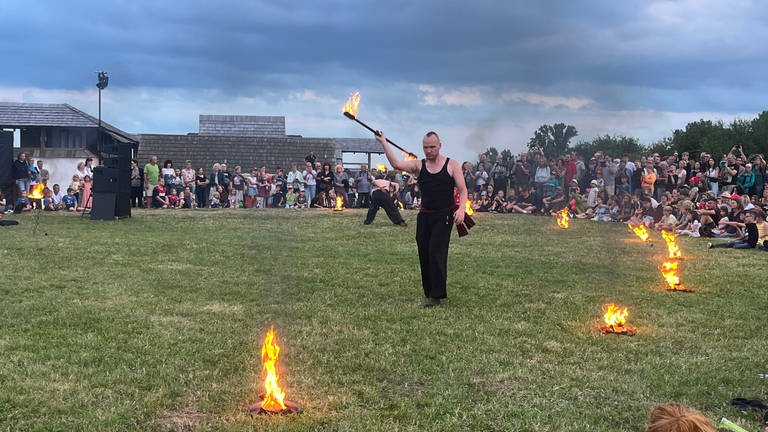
(290, 197)
(48, 200)
(23, 203)
(159, 195)
(723, 223)
(233, 197)
(238, 188)
(691, 229)
(69, 201)
(216, 200)
(668, 220)
(602, 212)
(173, 199)
(75, 185)
(253, 187)
(85, 196)
(278, 198)
(301, 200)
(499, 203)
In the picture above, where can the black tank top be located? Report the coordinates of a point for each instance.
(436, 189)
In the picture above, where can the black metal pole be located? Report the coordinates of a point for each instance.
(377, 133)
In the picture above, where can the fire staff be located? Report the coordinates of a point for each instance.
(437, 178)
(382, 197)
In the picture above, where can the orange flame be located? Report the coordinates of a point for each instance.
(615, 319)
(410, 156)
(641, 231)
(468, 208)
(381, 168)
(674, 251)
(400, 205)
(563, 218)
(351, 106)
(37, 192)
(339, 203)
(671, 274)
(273, 396)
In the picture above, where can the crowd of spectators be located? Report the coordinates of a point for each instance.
(709, 196)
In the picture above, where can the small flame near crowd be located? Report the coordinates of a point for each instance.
(381, 168)
(339, 204)
(351, 107)
(273, 399)
(563, 217)
(615, 320)
(672, 248)
(641, 231)
(37, 192)
(468, 208)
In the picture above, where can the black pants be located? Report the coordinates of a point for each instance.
(433, 234)
(201, 196)
(381, 199)
(137, 193)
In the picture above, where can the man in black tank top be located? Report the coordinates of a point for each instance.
(437, 177)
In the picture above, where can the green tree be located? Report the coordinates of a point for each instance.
(553, 140)
(615, 146)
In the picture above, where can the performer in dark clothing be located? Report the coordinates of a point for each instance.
(437, 177)
(382, 197)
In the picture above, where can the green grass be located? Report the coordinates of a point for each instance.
(155, 323)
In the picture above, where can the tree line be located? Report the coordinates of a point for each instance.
(713, 137)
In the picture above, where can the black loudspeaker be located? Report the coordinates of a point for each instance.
(106, 179)
(110, 205)
(6, 158)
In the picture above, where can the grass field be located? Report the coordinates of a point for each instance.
(155, 323)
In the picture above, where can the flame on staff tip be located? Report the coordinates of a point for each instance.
(273, 394)
(671, 273)
(350, 107)
(641, 231)
(37, 192)
(615, 319)
(563, 217)
(672, 248)
(410, 156)
(381, 168)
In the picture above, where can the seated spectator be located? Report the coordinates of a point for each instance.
(668, 221)
(57, 197)
(638, 218)
(278, 198)
(187, 199)
(69, 201)
(498, 205)
(216, 200)
(159, 195)
(301, 200)
(692, 228)
(23, 203)
(291, 196)
(484, 204)
(723, 222)
(528, 201)
(677, 418)
(47, 202)
(601, 211)
(76, 185)
(173, 199)
(554, 203)
(747, 239)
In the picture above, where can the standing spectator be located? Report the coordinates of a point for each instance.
(202, 185)
(168, 173)
(252, 183)
(521, 175)
(310, 177)
(609, 175)
(88, 167)
(34, 173)
(264, 188)
(363, 181)
(216, 178)
(341, 183)
(295, 177)
(136, 185)
(541, 178)
(80, 172)
(177, 183)
(747, 180)
(85, 198)
(188, 176)
(499, 174)
(481, 176)
(44, 174)
(21, 173)
(324, 180)
(713, 176)
(570, 169)
(226, 182)
(151, 178)
(311, 158)
(238, 186)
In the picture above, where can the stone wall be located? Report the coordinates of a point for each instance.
(242, 125)
(248, 152)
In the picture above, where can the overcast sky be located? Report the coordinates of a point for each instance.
(482, 73)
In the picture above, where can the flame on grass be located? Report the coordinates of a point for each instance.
(273, 394)
(615, 320)
(563, 218)
(641, 231)
(670, 271)
(37, 192)
(672, 248)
